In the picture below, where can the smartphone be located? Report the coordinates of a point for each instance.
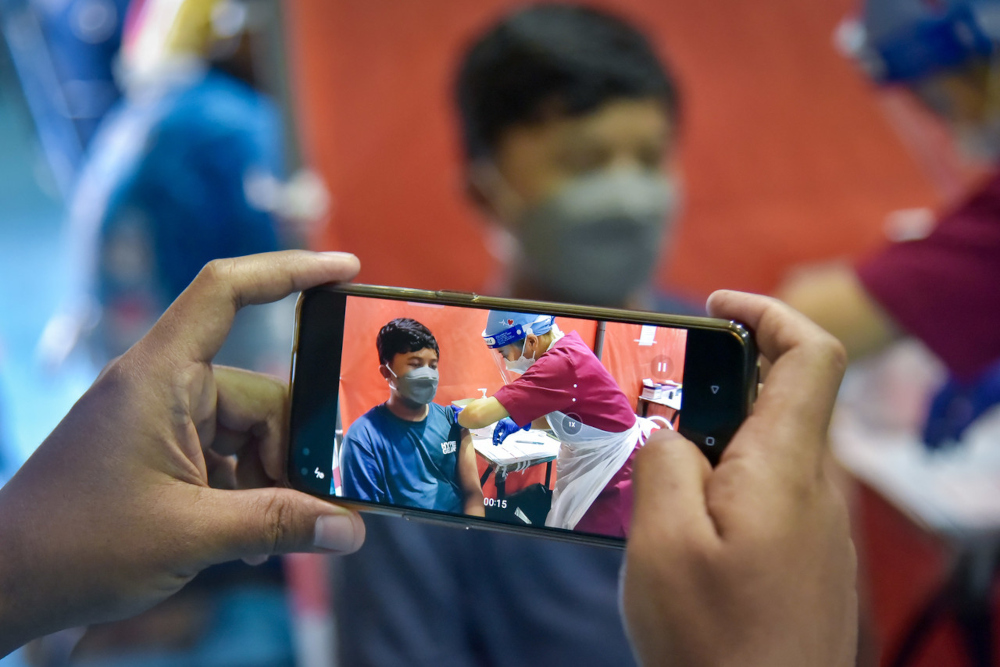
(503, 414)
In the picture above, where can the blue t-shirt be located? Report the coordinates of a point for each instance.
(388, 460)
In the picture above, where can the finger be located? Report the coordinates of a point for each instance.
(250, 473)
(221, 471)
(252, 523)
(668, 487)
(251, 412)
(196, 325)
(228, 443)
(807, 366)
(254, 561)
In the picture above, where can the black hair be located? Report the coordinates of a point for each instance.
(572, 56)
(401, 336)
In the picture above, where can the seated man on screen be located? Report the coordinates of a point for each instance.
(410, 451)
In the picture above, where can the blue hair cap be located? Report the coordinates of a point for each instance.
(504, 327)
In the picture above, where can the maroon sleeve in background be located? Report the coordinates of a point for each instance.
(945, 289)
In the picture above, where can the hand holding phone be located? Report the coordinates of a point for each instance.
(756, 558)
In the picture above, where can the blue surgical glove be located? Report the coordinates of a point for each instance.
(958, 404)
(454, 412)
(504, 428)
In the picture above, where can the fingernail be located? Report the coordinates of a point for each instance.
(336, 533)
(255, 560)
(336, 254)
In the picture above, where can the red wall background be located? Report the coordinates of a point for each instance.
(466, 364)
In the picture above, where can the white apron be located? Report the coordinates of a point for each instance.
(588, 459)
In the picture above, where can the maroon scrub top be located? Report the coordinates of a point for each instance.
(945, 289)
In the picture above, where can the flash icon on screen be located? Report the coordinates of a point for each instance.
(320, 474)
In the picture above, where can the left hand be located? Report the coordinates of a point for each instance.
(116, 510)
(504, 428)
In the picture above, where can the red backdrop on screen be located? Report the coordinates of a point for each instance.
(466, 364)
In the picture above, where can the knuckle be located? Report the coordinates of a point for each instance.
(217, 272)
(277, 515)
(218, 269)
(802, 490)
(827, 351)
(837, 506)
(220, 276)
(118, 378)
(839, 355)
(834, 351)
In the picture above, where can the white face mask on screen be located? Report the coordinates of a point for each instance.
(521, 364)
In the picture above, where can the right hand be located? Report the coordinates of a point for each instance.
(750, 563)
(504, 428)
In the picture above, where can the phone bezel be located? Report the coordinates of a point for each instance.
(745, 394)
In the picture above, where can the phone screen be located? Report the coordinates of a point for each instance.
(527, 420)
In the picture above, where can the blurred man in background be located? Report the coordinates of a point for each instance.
(941, 289)
(569, 121)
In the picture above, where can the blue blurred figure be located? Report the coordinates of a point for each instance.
(175, 169)
(187, 168)
(946, 54)
(64, 55)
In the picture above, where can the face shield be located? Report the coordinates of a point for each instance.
(944, 53)
(507, 360)
(505, 335)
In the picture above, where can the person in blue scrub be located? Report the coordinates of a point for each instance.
(410, 451)
(188, 167)
(178, 175)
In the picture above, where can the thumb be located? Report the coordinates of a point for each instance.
(254, 523)
(669, 517)
(669, 490)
